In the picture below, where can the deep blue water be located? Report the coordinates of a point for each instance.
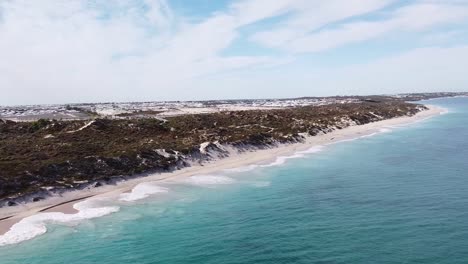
(397, 197)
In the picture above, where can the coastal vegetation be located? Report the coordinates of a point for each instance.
(50, 156)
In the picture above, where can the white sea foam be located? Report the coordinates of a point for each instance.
(282, 159)
(311, 150)
(141, 191)
(278, 161)
(344, 140)
(370, 135)
(385, 130)
(35, 225)
(242, 169)
(209, 180)
(380, 131)
(300, 154)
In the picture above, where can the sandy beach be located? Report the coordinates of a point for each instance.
(64, 204)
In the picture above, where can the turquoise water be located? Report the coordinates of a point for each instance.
(397, 197)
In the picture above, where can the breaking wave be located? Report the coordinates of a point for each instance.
(142, 191)
(311, 150)
(300, 154)
(209, 180)
(278, 161)
(242, 169)
(385, 130)
(35, 225)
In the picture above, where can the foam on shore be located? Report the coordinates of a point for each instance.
(35, 225)
(312, 150)
(385, 130)
(242, 168)
(209, 180)
(278, 161)
(142, 191)
(282, 160)
(300, 154)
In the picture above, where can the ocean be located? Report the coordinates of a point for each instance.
(400, 196)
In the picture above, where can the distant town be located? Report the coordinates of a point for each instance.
(164, 109)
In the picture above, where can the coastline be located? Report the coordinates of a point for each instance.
(65, 204)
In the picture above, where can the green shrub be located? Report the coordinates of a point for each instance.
(39, 124)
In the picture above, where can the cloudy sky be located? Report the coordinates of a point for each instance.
(63, 51)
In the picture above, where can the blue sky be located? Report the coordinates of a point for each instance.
(62, 51)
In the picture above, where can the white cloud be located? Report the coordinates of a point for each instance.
(159, 13)
(251, 11)
(312, 15)
(56, 51)
(416, 17)
(73, 49)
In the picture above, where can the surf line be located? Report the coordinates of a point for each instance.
(59, 204)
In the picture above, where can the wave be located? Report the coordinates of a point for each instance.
(210, 180)
(385, 130)
(300, 154)
(35, 225)
(369, 135)
(344, 140)
(242, 169)
(142, 191)
(313, 149)
(380, 131)
(278, 161)
(281, 160)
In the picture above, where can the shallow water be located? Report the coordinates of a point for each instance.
(396, 197)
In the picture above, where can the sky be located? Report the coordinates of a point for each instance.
(77, 51)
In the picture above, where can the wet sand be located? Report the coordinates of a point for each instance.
(64, 203)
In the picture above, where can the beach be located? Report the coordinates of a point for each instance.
(65, 204)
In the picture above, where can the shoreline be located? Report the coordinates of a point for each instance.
(65, 204)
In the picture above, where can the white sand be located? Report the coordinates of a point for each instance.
(234, 161)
